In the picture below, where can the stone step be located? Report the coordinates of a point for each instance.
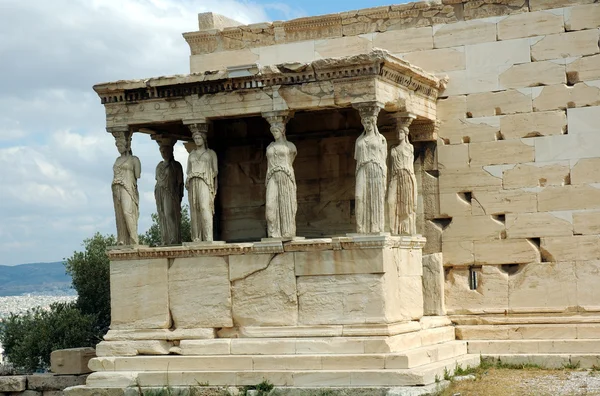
(409, 359)
(548, 360)
(423, 375)
(534, 346)
(281, 346)
(529, 331)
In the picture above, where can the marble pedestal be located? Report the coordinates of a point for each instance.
(336, 311)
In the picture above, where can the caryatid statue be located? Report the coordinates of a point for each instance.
(402, 190)
(127, 169)
(168, 193)
(201, 183)
(281, 202)
(370, 153)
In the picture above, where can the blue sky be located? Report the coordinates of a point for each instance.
(55, 155)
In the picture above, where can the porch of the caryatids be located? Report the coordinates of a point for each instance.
(126, 172)
(370, 153)
(402, 188)
(201, 183)
(281, 202)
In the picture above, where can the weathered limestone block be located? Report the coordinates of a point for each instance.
(452, 108)
(199, 292)
(433, 233)
(491, 295)
(343, 299)
(582, 17)
(533, 74)
(303, 51)
(342, 46)
(222, 60)
(410, 299)
(586, 68)
(454, 204)
(70, 361)
(530, 24)
(505, 251)
(467, 179)
(133, 348)
(503, 201)
(533, 124)
(575, 248)
(51, 382)
(490, 8)
(536, 5)
(473, 228)
(139, 294)
(210, 20)
(456, 253)
(586, 223)
(339, 262)
(13, 383)
(541, 286)
(470, 130)
(586, 170)
(433, 285)
(406, 40)
(556, 97)
(537, 175)
(498, 103)
(535, 225)
(267, 296)
(588, 293)
(570, 197)
(501, 152)
(453, 156)
(584, 121)
(463, 33)
(565, 45)
(497, 53)
(438, 60)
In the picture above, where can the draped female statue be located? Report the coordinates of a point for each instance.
(201, 183)
(370, 153)
(168, 193)
(127, 169)
(402, 191)
(281, 203)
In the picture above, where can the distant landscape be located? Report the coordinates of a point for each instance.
(35, 279)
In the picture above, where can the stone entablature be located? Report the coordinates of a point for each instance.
(326, 83)
(353, 23)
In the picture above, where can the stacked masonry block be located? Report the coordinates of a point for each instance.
(518, 154)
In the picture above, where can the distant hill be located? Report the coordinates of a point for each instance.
(36, 278)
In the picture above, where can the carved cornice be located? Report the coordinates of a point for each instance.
(376, 64)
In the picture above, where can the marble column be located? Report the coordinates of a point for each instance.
(370, 153)
(281, 202)
(201, 183)
(168, 192)
(402, 188)
(126, 172)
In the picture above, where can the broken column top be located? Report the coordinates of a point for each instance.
(210, 21)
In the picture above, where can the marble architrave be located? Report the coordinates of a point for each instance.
(201, 183)
(370, 154)
(127, 169)
(281, 202)
(168, 193)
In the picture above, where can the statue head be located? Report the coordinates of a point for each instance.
(166, 151)
(123, 142)
(278, 130)
(368, 117)
(199, 138)
(403, 134)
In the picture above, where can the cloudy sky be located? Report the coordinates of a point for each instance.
(55, 155)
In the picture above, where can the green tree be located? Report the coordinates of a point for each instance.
(152, 236)
(29, 339)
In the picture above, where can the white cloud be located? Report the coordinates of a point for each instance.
(55, 155)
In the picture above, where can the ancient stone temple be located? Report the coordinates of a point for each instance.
(377, 196)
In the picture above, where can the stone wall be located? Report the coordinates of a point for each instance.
(39, 384)
(514, 195)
